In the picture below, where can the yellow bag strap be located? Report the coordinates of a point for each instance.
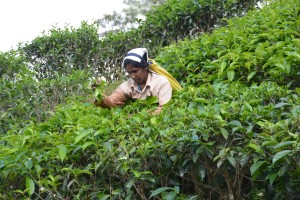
(161, 71)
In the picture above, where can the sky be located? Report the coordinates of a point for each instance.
(24, 20)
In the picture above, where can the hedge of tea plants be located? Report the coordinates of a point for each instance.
(58, 64)
(213, 141)
(263, 45)
(231, 133)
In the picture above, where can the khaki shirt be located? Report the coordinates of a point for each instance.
(156, 85)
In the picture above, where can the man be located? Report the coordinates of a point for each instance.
(141, 84)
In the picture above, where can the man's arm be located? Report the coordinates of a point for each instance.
(164, 96)
(117, 98)
(165, 93)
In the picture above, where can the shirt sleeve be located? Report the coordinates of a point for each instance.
(165, 93)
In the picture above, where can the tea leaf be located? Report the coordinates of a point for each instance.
(29, 164)
(235, 123)
(231, 160)
(201, 171)
(224, 133)
(279, 105)
(272, 178)
(250, 76)
(230, 75)
(256, 166)
(62, 152)
(256, 148)
(30, 187)
(82, 135)
(280, 155)
(153, 120)
(159, 190)
(169, 196)
(284, 144)
(87, 144)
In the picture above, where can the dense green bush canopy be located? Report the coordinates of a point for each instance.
(264, 45)
(231, 133)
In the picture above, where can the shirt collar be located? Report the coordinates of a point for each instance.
(134, 85)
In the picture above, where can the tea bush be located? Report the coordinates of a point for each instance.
(24, 98)
(65, 49)
(231, 133)
(211, 141)
(263, 45)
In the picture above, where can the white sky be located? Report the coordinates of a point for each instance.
(24, 20)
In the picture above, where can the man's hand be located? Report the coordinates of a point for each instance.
(157, 111)
(96, 84)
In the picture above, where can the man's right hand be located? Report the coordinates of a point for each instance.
(96, 84)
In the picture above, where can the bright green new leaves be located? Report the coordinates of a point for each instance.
(62, 152)
(99, 90)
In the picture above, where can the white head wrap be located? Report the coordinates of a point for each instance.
(137, 54)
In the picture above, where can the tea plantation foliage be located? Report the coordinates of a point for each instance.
(231, 133)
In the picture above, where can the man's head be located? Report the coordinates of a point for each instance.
(136, 65)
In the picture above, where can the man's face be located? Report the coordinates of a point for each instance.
(138, 74)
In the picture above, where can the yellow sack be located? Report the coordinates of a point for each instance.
(161, 71)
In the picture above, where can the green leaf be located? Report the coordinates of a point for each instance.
(280, 155)
(224, 133)
(269, 143)
(256, 166)
(235, 123)
(3, 115)
(248, 106)
(272, 178)
(230, 75)
(87, 144)
(130, 183)
(103, 196)
(201, 172)
(99, 91)
(169, 196)
(38, 169)
(279, 105)
(176, 189)
(62, 152)
(82, 135)
(159, 190)
(136, 173)
(78, 172)
(2, 163)
(219, 163)
(232, 161)
(256, 148)
(26, 138)
(30, 186)
(284, 144)
(153, 120)
(222, 67)
(137, 119)
(249, 77)
(29, 164)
